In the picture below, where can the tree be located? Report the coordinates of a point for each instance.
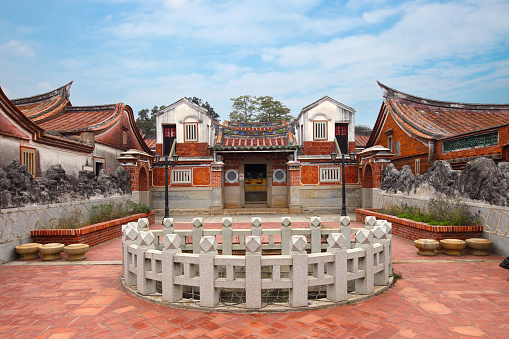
(363, 129)
(263, 108)
(146, 123)
(205, 105)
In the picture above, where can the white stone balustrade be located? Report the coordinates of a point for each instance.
(179, 264)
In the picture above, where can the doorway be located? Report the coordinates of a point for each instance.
(255, 183)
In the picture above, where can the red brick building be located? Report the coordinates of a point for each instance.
(419, 131)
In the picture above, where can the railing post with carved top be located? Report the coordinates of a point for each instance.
(227, 236)
(316, 235)
(299, 271)
(338, 268)
(209, 294)
(145, 286)
(253, 271)
(171, 246)
(364, 240)
(130, 234)
(197, 234)
(346, 230)
(286, 235)
(380, 234)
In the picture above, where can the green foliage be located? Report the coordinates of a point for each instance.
(147, 123)
(396, 276)
(205, 105)
(440, 211)
(262, 108)
(99, 213)
(363, 129)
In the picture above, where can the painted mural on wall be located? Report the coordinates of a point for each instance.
(18, 188)
(482, 179)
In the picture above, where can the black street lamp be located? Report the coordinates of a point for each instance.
(352, 156)
(175, 158)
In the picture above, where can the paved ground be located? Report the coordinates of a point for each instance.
(438, 297)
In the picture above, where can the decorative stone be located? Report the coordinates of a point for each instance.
(227, 222)
(370, 221)
(145, 239)
(76, 252)
(298, 243)
(337, 240)
(380, 232)
(453, 247)
(316, 222)
(51, 251)
(256, 222)
(479, 246)
(426, 247)
(364, 237)
(253, 244)
(28, 251)
(197, 222)
(131, 234)
(208, 244)
(168, 222)
(171, 242)
(344, 221)
(143, 224)
(132, 224)
(286, 222)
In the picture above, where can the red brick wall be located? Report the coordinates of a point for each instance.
(215, 177)
(318, 147)
(201, 176)
(92, 235)
(309, 175)
(413, 230)
(195, 149)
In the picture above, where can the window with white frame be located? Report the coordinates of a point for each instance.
(389, 143)
(417, 166)
(320, 130)
(181, 176)
(190, 131)
(330, 174)
(28, 158)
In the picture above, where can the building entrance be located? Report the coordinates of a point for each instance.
(255, 183)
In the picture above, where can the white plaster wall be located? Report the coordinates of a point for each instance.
(71, 161)
(10, 150)
(110, 155)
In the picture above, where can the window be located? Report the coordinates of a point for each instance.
(191, 131)
(124, 137)
(231, 176)
(279, 175)
(389, 143)
(330, 175)
(478, 140)
(181, 176)
(28, 158)
(417, 166)
(320, 130)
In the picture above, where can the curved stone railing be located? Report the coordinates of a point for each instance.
(155, 264)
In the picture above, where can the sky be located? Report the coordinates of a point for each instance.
(148, 53)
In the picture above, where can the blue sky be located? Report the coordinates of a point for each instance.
(154, 52)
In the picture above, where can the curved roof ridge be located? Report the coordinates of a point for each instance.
(63, 92)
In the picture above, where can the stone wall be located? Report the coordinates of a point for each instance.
(16, 223)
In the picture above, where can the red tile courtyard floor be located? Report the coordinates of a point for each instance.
(438, 297)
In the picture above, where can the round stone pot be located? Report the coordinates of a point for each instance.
(28, 251)
(479, 246)
(51, 251)
(453, 247)
(76, 252)
(426, 247)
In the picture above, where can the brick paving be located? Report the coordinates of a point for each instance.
(438, 297)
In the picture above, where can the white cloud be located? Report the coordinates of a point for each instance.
(17, 49)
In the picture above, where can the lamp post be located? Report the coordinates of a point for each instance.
(175, 158)
(334, 156)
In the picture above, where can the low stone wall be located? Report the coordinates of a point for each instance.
(414, 230)
(17, 223)
(92, 235)
(494, 219)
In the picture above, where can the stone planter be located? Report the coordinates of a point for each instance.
(51, 251)
(426, 247)
(479, 246)
(28, 251)
(453, 247)
(76, 252)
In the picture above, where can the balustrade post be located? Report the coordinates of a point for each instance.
(380, 236)
(143, 224)
(253, 271)
(364, 240)
(197, 234)
(227, 236)
(209, 294)
(299, 271)
(131, 238)
(286, 235)
(338, 268)
(256, 226)
(145, 242)
(169, 226)
(171, 246)
(316, 235)
(370, 222)
(346, 230)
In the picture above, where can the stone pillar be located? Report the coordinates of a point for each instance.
(171, 246)
(388, 225)
(209, 294)
(197, 234)
(256, 226)
(227, 236)
(144, 286)
(299, 271)
(253, 271)
(216, 176)
(364, 240)
(131, 238)
(370, 222)
(143, 224)
(338, 246)
(294, 187)
(169, 227)
(346, 230)
(380, 236)
(286, 234)
(316, 235)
